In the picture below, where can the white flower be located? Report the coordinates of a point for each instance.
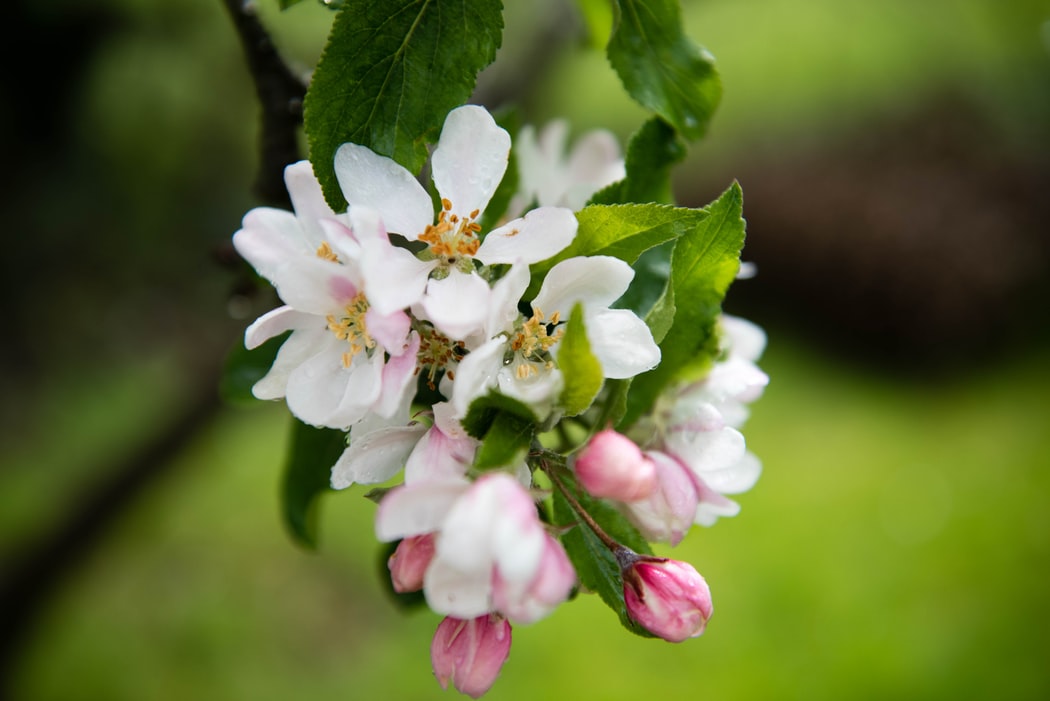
(491, 553)
(521, 361)
(550, 178)
(467, 166)
(344, 359)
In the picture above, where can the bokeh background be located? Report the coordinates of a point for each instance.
(895, 162)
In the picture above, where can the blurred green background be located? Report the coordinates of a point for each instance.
(895, 161)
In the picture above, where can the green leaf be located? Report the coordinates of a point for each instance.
(483, 411)
(651, 153)
(661, 68)
(595, 565)
(651, 272)
(389, 75)
(307, 476)
(285, 4)
(703, 265)
(580, 369)
(245, 367)
(623, 231)
(506, 442)
(598, 18)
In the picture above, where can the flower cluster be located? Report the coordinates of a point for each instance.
(422, 327)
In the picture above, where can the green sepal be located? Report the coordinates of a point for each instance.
(505, 443)
(596, 566)
(579, 367)
(307, 475)
(703, 265)
(660, 67)
(390, 73)
(243, 368)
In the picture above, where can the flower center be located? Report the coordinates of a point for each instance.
(452, 238)
(351, 328)
(325, 252)
(436, 352)
(533, 341)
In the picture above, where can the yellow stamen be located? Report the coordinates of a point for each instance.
(352, 329)
(325, 251)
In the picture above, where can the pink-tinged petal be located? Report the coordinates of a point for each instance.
(275, 322)
(470, 653)
(551, 585)
(398, 381)
(713, 506)
(370, 180)
(389, 330)
(394, 278)
(376, 456)
(457, 305)
(314, 285)
(415, 509)
(308, 201)
(410, 561)
(300, 346)
(537, 236)
(343, 242)
(668, 511)
(668, 598)
(268, 239)
(622, 343)
(447, 422)
(477, 373)
(438, 456)
(596, 281)
(453, 592)
(612, 466)
(470, 159)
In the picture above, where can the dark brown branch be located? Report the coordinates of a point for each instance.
(280, 93)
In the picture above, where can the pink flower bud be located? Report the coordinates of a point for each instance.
(668, 512)
(470, 653)
(410, 561)
(668, 598)
(550, 586)
(612, 466)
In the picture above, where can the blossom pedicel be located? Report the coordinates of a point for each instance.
(478, 363)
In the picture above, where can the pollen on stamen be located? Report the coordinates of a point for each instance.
(325, 252)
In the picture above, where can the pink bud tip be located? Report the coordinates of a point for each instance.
(613, 467)
(668, 598)
(410, 561)
(470, 653)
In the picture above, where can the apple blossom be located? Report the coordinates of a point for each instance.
(612, 466)
(669, 598)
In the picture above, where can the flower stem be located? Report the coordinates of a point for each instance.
(606, 539)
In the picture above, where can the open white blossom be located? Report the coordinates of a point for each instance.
(343, 359)
(467, 166)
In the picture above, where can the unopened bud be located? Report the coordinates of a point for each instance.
(668, 598)
(470, 653)
(613, 467)
(410, 561)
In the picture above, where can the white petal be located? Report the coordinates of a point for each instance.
(315, 285)
(275, 322)
(268, 239)
(712, 506)
(707, 452)
(451, 592)
(308, 201)
(416, 509)
(595, 160)
(376, 456)
(457, 305)
(375, 181)
(596, 281)
(736, 478)
(394, 278)
(744, 338)
(470, 158)
(324, 393)
(537, 236)
(398, 380)
(389, 330)
(503, 305)
(438, 457)
(300, 346)
(363, 389)
(622, 343)
(477, 372)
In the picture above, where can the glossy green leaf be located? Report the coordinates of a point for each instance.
(595, 565)
(623, 231)
(651, 153)
(312, 453)
(580, 369)
(661, 68)
(243, 368)
(703, 265)
(389, 75)
(505, 443)
(484, 410)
